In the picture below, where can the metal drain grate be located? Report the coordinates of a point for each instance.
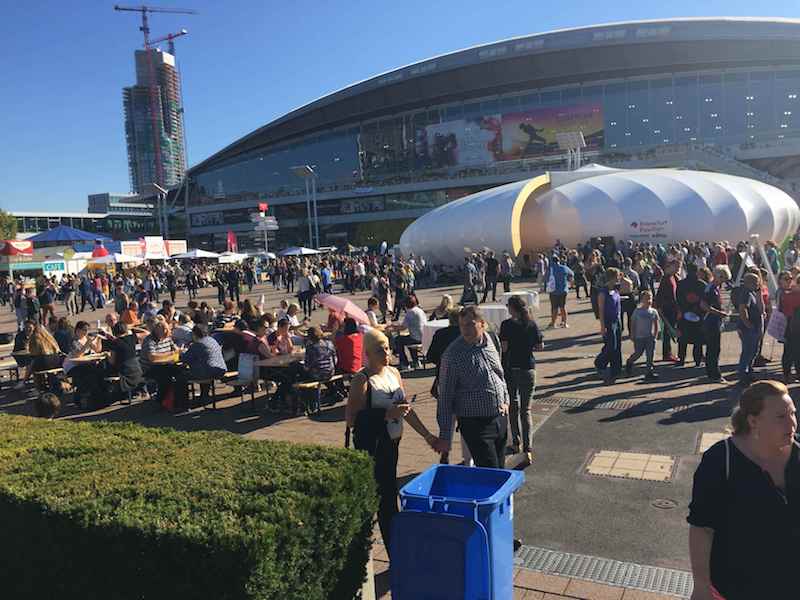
(605, 570)
(576, 402)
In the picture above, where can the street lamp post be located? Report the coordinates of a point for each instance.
(308, 173)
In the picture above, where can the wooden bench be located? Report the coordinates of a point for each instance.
(310, 392)
(11, 367)
(209, 382)
(417, 354)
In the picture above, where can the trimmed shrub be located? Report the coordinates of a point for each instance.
(120, 511)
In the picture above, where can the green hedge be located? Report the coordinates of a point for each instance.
(120, 511)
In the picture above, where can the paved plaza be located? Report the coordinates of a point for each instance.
(602, 511)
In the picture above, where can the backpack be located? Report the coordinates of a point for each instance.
(369, 427)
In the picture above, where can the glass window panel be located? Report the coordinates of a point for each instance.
(761, 112)
(785, 93)
(686, 106)
(711, 116)
(615, 115)
(509, 104)
(571, 96)
(489, 107)
(454, 113)
(638, 114)
(551, 98)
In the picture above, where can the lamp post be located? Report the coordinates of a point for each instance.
(161, 209)
(308, 174)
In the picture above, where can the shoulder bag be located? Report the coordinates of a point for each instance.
(369, 426)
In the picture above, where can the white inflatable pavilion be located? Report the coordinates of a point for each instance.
(652, 205)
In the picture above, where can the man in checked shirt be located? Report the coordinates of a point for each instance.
(472, 388)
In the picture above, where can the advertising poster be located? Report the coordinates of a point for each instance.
(464, 142)
(533, 132)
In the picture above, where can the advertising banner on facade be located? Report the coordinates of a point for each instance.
(533, 132)
(464, 142)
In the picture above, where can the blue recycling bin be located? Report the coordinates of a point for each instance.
(454, 537)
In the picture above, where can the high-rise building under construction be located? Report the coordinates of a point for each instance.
(154, 113)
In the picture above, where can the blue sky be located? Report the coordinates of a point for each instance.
(244, 62)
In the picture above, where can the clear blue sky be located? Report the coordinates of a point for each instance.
(244, 62)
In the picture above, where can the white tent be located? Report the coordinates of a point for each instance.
(231, 257)
(115, 259)
(297, 251)
(262, 254)
(195, 254)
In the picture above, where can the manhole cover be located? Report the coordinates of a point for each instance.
(664, 503)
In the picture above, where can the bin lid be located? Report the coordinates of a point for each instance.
(458, 483)
(439, 557)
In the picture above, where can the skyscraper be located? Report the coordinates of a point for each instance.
(162, 114)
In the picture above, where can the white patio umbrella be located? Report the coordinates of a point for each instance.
(115, 259)
(231, 257)
(196, 253)
(297, 251)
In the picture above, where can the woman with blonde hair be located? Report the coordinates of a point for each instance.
(443, 310)
(378, 389)
(746, 501)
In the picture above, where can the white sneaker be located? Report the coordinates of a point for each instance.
(565, 325)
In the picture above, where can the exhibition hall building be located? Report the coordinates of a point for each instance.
(716, 94)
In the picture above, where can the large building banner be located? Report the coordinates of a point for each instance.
(464, 142)
(533, 132)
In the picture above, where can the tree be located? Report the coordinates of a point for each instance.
(8, 226)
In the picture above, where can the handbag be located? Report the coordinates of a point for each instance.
(369, 427)
(777, 325)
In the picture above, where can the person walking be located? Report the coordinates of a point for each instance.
(713, 321)
(558, 278)
(379, 390)
(472, 388)
(667, 306)
(745, 503)
(506, 271)
(689, 294)
(610, 356)
(519, 337)
(750, 326)
(234, 278)
(492, 269)
(643, 326)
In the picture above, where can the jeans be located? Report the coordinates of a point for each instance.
(646, 346)
(305, 302)
(491, 283)
(666, 341)
(233, 292)
(749, 338)
(611, 353)
(507, 282)
(486, 439)
(400, 343)
(522, 382)
(713, 340)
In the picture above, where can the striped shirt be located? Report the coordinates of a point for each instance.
(151, 345)
(471, 383)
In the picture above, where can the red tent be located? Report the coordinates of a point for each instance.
(14, 248)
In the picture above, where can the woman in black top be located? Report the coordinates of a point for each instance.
(519, 337)
(744, 515)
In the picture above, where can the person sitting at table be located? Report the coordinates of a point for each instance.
(123, 361)
(240, 340)
(111, 320)
(63, 334)
(205, 314)
(45, 355)
(443, 310)
(148, 310)
(21, 346)
(228, 315)
(372, 312)
(86, 378)
(283, 309)
(270, 321)
(413, 321)
(335, 320)
(204, 359)
(130, 316)
(349, 347)
(156, 350)
(183, 333)
(280, 341)
(291, 315)
(249, 314)
(319, 363)
(168, 311)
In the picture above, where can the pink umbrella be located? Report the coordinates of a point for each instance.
(343, 305)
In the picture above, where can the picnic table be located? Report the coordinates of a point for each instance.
(87, 359)
(282, 360)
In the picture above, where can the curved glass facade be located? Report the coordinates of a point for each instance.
(516, 130)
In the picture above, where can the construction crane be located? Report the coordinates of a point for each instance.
(169, 39)
(153, 87)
